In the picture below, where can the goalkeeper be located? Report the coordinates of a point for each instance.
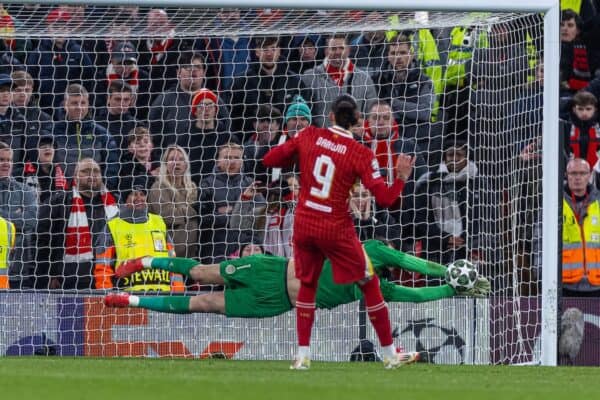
(260, 286)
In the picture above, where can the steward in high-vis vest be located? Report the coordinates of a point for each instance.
(7, 243)
(463, 40)
(135, 233)
(581, 232)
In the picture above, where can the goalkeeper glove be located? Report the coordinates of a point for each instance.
(482, 288)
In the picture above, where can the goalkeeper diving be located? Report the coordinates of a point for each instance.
(261, 286)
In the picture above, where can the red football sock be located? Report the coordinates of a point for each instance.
(378, 311)
(305, 312)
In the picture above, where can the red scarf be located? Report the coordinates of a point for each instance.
(60, 182)
(339, 75)
(158, 48)
(581, 69)
(132, 80)
(78, 238)
(593, 144)
(384, 149)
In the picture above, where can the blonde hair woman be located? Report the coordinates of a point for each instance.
(174, 197)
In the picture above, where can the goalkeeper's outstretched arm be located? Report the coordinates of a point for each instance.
(403, 294)
(381, 254)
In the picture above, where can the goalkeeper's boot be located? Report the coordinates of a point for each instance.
(400, 359)
(129, 267)
(119, 300)
(301, 363)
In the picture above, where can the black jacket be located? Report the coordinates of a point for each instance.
(202, 148)
(256, 88)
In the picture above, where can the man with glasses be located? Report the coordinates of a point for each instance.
(581, 232)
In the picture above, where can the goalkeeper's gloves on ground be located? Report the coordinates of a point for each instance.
(482, 288)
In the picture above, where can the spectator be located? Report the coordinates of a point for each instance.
(267, 131)
(206, 134)
(76, 136)
(174, 197)
(266, 82)
(58, 62)
(582, 133)
(134, 233)
(578, 61)
(7, 246)
(12, 49)
(37, 122)
(448, 203)
(70, 223)
(116, 116)
(122, 21)
(123, 67)
(581, 236)
(18, 205)
(305, 54)
(230, 54)
(429, 56)
(370, 222)
(280, 216)
(268, 225)
(43, 175)
(402, 84)
(170, 111)
(297, 117)
(337, 75)
(386, 140)
(160, 54)
(12, 127)
(219, 191)
(137, 166)
(368, 49)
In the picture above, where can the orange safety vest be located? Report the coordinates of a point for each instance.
(581, 245)
(7, 243)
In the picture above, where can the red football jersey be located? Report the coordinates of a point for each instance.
(330, 162)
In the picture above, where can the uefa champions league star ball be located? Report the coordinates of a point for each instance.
(461, 275)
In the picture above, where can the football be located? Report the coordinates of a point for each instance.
(461, 275)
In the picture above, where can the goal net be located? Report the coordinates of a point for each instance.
(132, 131)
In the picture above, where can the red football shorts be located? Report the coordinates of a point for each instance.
(346, 254)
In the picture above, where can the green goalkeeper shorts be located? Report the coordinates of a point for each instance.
(255, 286)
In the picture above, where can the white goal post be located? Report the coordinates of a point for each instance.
(551, 181)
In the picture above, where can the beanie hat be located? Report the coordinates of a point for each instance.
(201, 95)
(298, 109)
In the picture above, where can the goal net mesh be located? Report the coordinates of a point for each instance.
(132, 131)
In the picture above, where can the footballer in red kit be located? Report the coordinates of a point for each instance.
(330, 163)
(334, 162)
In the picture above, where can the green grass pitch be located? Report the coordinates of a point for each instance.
(148, 379)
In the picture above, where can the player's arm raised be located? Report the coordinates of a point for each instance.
(283, 155)
(386, 195)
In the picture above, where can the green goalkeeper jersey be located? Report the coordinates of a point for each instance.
(331, 294)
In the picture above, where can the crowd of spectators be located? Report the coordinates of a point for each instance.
(186, 121)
